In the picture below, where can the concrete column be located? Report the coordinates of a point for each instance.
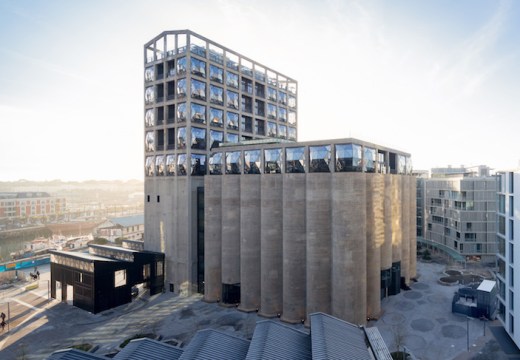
(319, 228)
(181, 241)
(250, 242)
(349, 268)
(375, 203)
(413, 227)
(294, 248)
(386, 248)
(231, 229)
(212, 238)
(397, 233)
(405, 214)
(271, 245)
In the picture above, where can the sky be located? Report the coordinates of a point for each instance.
(438, 79)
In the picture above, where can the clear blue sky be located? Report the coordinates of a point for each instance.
(437, 78)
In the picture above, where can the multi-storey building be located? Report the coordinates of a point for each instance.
(460, 215)
(199, 94)
(30, 204)
(508, 277)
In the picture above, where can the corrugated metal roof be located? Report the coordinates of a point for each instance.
(377, 344)
(272, 340)
(148, 349)
(215, 345)
(128, 220)
(337, 339)
(73, 354)
(486, 285)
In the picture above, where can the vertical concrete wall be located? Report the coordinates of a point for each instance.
(375, 230)
(412, 230)
(271, 245)
(231, 229)
(319, 229)
(212, 238)
(294, 248)
(349, 278)
(250, 229)
(396, 218)
(386, 248)
(405, 214)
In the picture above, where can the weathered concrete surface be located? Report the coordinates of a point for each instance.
(212, 238)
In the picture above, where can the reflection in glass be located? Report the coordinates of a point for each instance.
(149, 74)
(216, 74)
(181, 138)
(149, 166)
(198, 67)
(259, 127)
(282, 131)
(198, 138)
(369, 162)
(170, 165)
(149, 95)
(215, 138)
(348, 158)
(246, 124)
(149, 118)
(198, 165)
(319, 158)
(292, 117)
(271, 94)
(282, 98)
(198, 113)
(381, 163)
(181, 66)
(232, 138)
(272, 161)
(295, 160)
(216, 95)
(271, 129)
(252, 162)
(282, 113)
(181, 164)
(181, 88)
(232, 121)
(401, 164)
(232, 99)
(292, 102)
(159, 165)
(231, 79)
(271, 111)
(291, 133)
(149, 143)
(198, 90)
(181, 112)
(408, 165)
(215, 164)
(233, 163)
(216, 117)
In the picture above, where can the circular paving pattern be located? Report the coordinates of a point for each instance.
(423, 325)
(453, 331)
(414, 342)
(412, 295)
(420, 286)
(393, 318)
(404, 305)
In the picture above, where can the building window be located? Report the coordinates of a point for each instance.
(198, 113)
(271, 129)
(149, 142)
(232, 121)
(181, 89)
(159, 165)
(232, 99)
(181, 112)
(271, 111)
(292, 118)
(216, 74)
(348, 158)
(247, 104)
(233, 163)
(401, 164)
(282, 131)
(215, 138)
(231, 79)
(282, 114)
(216, 95)
(319, 158)
(247, 124)
(181, 66)
(259, 90)
(159, 268)
(198, 138)
(259, 108)
(182, 165)
(158, 198)
(198, 165)
(271, 94)
(198, 67)
(502, 204)
(216, 117)
(170, 165)
(292, 102)
(232, 138)
(149, 95)
(149, 74)
(147, 198)
(149, 118)
(295, 160)
(369, 161)
(119, 278)
(198, 90)
(247, 85)
(149, 166)
(511, 253)
(181, 138)
(272, 161)
(260, 127)
(501, 225)
(511, 206)
(252, 162)
(291, 133)
(215, 164)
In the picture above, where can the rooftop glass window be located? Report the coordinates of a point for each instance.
(215, 164)
(282, 113)
(369, 160)
(182, 164)
(198, 113)
(246, 85)
(149, 74)
(198, 67)
(232, 99)
(149, 95)
(246, 124)
(181, 138)
(401, 164)
(271, 78)
(231, 79)
(232, 138)
(381, 164)
(171, 69)
(149, 142)
(216, 54)
(273, 161)
(348, 158)
(181, 65)
(291, 87)
(282, 131)
(259, 73)
(292, 102)
(292, 117)
(215, 138)
(198, 138)
(182, 41)
(198, 90)
(232, 61)
(271, 111)
(181, 112)
(246, 67)
(271, 129)
(159, 165)
(181, 88)
(251, 161)
(216, 95)
(319, 158)
(408, 165)
(198, 165)
(272, 94)
(232, 121)
(170, 165)
(216, 74)
(216, 117)
(149, 166)
(282, 82)
(149, 118)
(291, 133)
(295, 160)
(197, 46)
(233, 163)
(259, 127)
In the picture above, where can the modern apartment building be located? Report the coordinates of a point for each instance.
(460, 214)
(30, 204)
(508, 276)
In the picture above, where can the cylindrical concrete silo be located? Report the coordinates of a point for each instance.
(294, 248)
(405, 240)
(412, 230)
(397, 218)
(212, 238)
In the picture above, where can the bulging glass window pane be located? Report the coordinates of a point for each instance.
(232, 79)
(181, 112)
(170, 165)
(292, 101)
(401, 164)
(408, 165)
(348, 158)
(215, 138)
(181, 138)
(291, 133)
(292, 117)
(198, 90)
(233, 163)
(149, 74)
(282, 98)
(216, 74)
(198, 113)
(273, 161)
(198, 67)
(252, 161)
(295, 160)
(272, 94)
(159, 165)
(319, 158)
(181, 88)
(282, 131)
(198, 165)
(181, 66)
(149, 95)
(149, 142)
(149, 166)
(198, 138)
(216, 95)
(149, 117)
(216, 117)
(369, 163)
(232, 99)
(271, 111)
(232, 138)
(232, 121)
(271, 129)
(182, 165)
(282, 113)
(215, 164)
